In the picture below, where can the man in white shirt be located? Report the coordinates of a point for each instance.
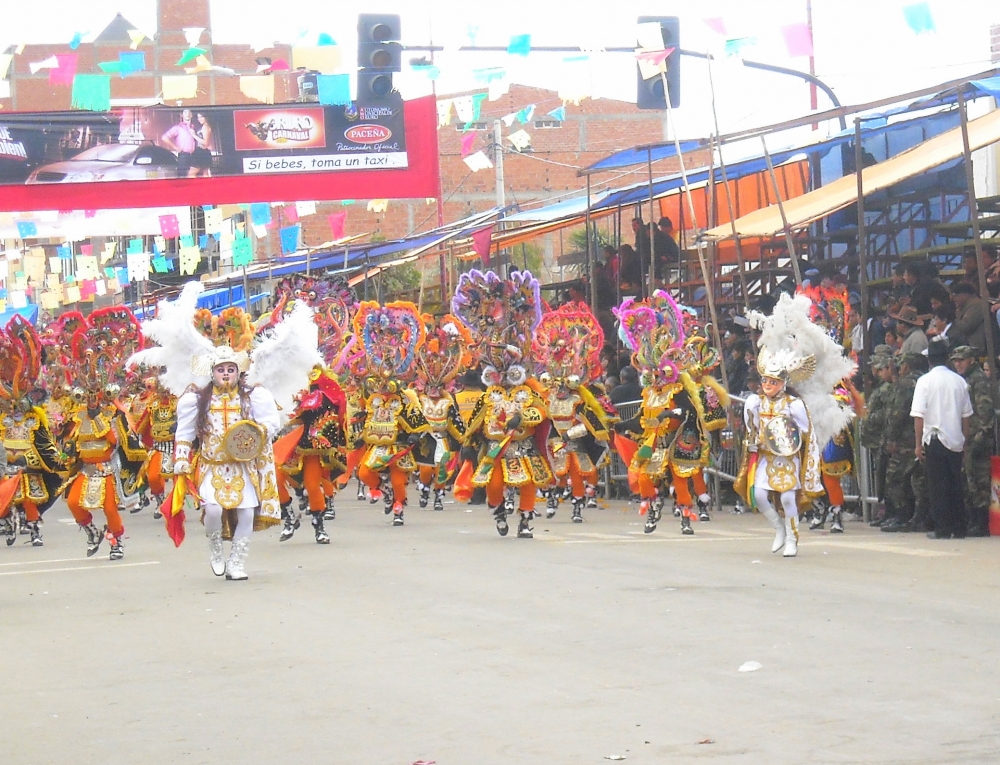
(941, 410)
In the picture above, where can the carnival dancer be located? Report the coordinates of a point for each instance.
(509, 425)
(154, 420)
(109, 458)
(445, 353)
(672, 443)
(334, 304)
(313, 451)
(837, 461)
(567, 345)
(388, 340)
(31, 453)
(785, 428)
(697, 359)
(227, 415)
(831, 310)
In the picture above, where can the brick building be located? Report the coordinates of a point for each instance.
(547, 170)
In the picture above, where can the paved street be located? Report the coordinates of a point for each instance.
(441, 641)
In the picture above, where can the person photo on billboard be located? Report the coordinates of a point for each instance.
(201, 160)
(182, 139)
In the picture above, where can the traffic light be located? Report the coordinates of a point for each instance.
(650, 92)
(379, 54)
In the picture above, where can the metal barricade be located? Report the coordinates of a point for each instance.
(616, 473)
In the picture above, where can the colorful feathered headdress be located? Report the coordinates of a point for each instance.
(445, 353)
(389, 337)
(654, 333)
(502, 315)
(568, 343)
(100, 349)
(334, 304)
(831, 309)
(20, 361)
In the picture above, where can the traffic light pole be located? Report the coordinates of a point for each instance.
(810, 78)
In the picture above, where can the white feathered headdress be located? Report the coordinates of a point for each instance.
(177, 340)
(190, 342)
(789, 334)
(285, 355)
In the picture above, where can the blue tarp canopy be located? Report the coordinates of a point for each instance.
(29, 312)
(641, 156)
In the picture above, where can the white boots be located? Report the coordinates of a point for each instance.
(791, 537)
(237, 557)
(779, 529)
(786, 532)
(215, 553)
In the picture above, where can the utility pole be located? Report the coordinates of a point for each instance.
(498, 163)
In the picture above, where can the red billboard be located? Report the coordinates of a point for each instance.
(372, 155)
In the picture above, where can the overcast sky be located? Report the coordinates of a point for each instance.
(864, 48)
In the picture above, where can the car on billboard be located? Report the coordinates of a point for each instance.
(110, 162)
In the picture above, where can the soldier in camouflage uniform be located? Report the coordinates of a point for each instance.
(906, 490)
(883, 367)
(979, 442)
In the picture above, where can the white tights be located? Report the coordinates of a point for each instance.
(761, 494)
(244, 520)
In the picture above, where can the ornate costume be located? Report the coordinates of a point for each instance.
(445, 353)
(784, 428)
(509, 425)
(154, 418)
(33, 458)
(388, 340)
(228, 412)
(567, 345)
(109, 458)
(672, 441)
(313, 454)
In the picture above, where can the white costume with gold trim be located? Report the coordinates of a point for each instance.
(222, 480)
(776, 472)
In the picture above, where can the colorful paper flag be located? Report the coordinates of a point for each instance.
(717, 25)
(290, 239)
(138, 266)
(334, 89)
(338, 222)
(478, 161)
(258, 87)
(91, 92)
(190, 257)
(520, 45)
(190, 55)
(65, 71)
(242, 252)
(260, 213)
(136, 37)
(131, 61)
(558, 113)
(169, 226)
(918, 18)
(520, 140)
(177, 87)
(444, 111)
(378, 205)
(481, 243)
(467, 140)
(324, 59)
(290, 214)
(798, 39)
(27, 229)
(193, 35)
(305, 208)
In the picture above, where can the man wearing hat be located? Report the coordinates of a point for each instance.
(911, 329)
(941, 411)
(873, 426)
(905, 487)
(979, 444)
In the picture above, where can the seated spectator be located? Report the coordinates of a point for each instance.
(630, 270)
(911, 330)
(942, 325)
(969, 317)
(629, 388)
